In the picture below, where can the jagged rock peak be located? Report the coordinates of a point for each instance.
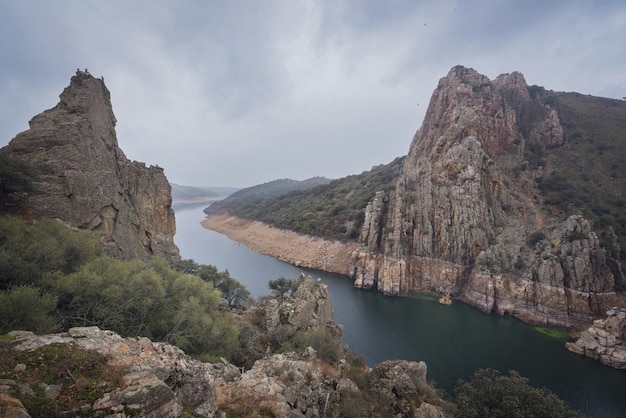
(84, 178)
(462, 213)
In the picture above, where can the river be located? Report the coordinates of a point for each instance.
(453, 340)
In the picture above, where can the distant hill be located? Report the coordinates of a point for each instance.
(252, 196)
(189, 194)
(334, 209)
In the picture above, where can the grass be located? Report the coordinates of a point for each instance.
(553, 333)
(83, 375)
(422, 295)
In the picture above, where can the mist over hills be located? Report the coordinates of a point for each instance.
(252, 196)
(190, 194)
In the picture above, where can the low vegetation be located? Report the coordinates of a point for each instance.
(55, 278)
(80, 376)
(491, 394)
(588, 173)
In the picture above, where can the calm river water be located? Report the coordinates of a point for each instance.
(453, 340)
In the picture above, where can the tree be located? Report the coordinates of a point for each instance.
(281, 285)
(27, 308)
(16, 177)
(490, 394)
(235, 293)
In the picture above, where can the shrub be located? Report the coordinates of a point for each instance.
(535, 237)
(27, 308)
(490, 394)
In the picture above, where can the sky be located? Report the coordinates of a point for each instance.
(237, 93)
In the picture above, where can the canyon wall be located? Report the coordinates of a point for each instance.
(460, 222)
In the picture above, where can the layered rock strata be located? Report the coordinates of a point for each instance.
(84, 178)
(605, 340)
(460, 222)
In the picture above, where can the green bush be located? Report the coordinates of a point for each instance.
(327, 347)
(27, 308)
(490, 394)
(535, 237)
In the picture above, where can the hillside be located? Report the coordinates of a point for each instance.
(189, 194)
(334, 210)
(588, 173)
(252, 196)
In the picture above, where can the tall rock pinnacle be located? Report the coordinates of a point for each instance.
(84, 178)
(459, 221)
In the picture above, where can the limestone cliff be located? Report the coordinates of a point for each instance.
(84, 178)
(460, 222)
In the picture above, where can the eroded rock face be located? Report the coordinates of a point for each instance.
(459, 222)
(308, 308)
(605, 340)
(158, 379)
(85, 179)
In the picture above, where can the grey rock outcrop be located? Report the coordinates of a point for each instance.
(308, 308)
(459, 221)
(605, 340)
(158, 379)
(84, 178)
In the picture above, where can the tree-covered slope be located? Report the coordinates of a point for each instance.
(334, 210)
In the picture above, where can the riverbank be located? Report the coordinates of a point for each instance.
(288, 246)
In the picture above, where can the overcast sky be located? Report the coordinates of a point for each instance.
(237, 93)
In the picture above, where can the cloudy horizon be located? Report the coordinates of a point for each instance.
(238, 93)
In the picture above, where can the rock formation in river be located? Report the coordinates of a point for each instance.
(460, 222)
(84, 178)
(605, 340)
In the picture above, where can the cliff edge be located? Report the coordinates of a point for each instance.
(465, 217)
(83, 178)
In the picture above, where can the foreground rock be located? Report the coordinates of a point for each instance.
(154, 379)
(83, 178)
(138, 377)
(605, 341)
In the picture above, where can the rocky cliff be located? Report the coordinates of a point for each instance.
(84, 178)
(465, 218)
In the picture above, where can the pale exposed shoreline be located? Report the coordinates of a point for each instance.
(288, 246)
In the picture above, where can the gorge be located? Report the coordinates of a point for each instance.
(452, 340)
(466, 215)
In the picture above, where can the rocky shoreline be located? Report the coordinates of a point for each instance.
(290, 247)
(337, 257)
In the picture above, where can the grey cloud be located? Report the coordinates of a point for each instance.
(242, 92)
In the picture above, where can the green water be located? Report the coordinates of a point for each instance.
(453, 340)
